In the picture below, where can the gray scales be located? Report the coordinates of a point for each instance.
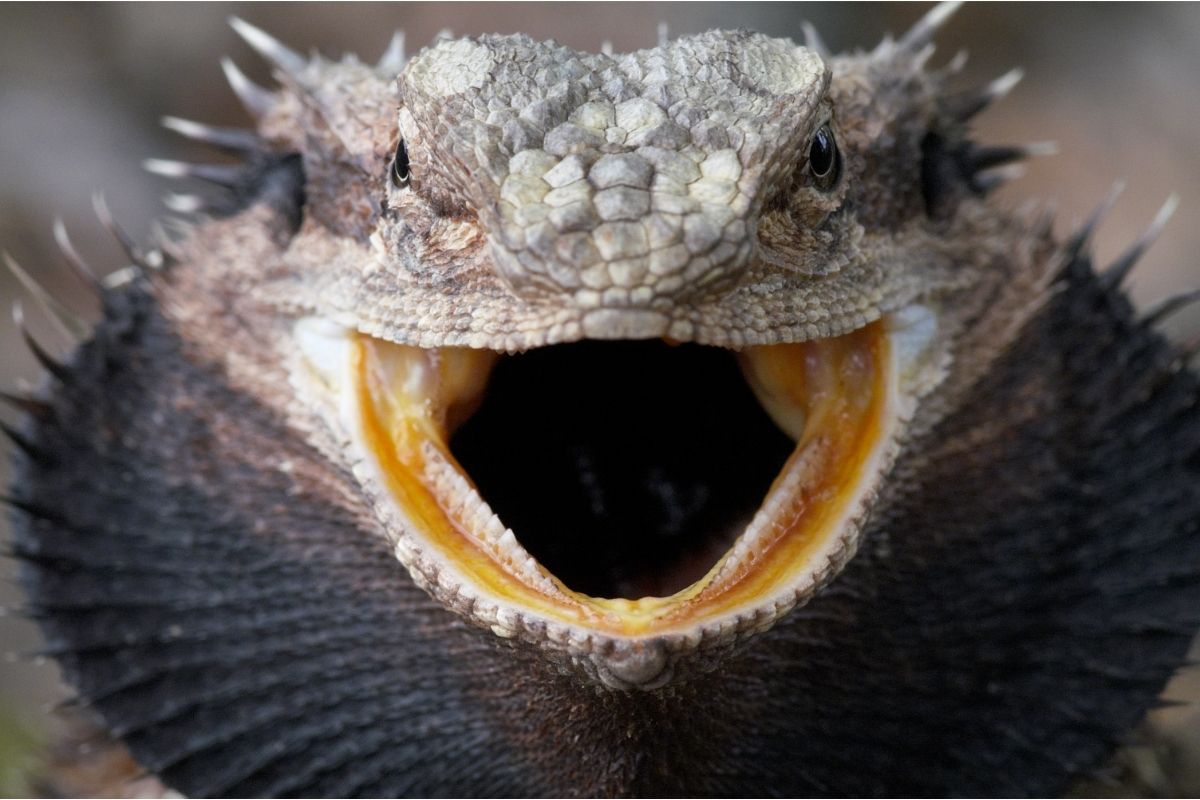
(986, 598)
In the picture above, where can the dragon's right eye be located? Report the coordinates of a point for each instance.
(823, 158)
(399, 171)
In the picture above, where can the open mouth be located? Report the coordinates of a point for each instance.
(627, 469)
(628, 488)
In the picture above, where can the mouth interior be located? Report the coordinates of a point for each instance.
(626, 468)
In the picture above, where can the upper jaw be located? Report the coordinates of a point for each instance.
(845, 400)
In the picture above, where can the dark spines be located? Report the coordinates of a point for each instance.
(954, 168)
(223, 650)
(297, 658)
(963, 105)
(1115, 273)
(1170, 305)
(40, 354)
(276, 179)
(977, 158)
(24, 444)
(27, 404)
(1077, 251)
(32, 510)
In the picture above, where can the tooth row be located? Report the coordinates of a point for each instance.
(464, 503)
(596, 652)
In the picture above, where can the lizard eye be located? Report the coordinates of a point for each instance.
(399, 171)
(823, 159)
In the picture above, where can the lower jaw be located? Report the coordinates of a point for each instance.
(837, 398)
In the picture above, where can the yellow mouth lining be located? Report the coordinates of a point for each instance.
(834, 396)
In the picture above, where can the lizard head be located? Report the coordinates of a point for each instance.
(619, 348)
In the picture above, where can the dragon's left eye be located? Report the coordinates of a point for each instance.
(400, 173)
(823, 158)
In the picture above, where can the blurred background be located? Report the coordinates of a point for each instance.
(82, 88)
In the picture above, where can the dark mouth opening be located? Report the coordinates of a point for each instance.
(627, 469)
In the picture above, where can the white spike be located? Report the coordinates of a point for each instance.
(923, 32)
(222, 174)
(664, 34)
(269, 47)
(993, 178)
(1001, 86)
(149, 258)
(121, 277)
(1159, 222)
(444, 35)
(166, 168)
(72, 256)
(606, 47)
(923, 55)
(231, 138)
(188, 128)
(63, 318)
(1087, 229)
(161, 239)
(393, 59)
(814, 42)
(1038, 149)
(956, 64)
(1116, 273)
(183, 203)
(256, 99)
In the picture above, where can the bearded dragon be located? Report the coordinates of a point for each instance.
(729, 438)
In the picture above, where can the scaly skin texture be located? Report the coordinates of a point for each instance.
(220, 589)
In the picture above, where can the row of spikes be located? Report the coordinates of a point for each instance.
(258, 101)
(987, 167)
(984, 167)
(76, 329)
